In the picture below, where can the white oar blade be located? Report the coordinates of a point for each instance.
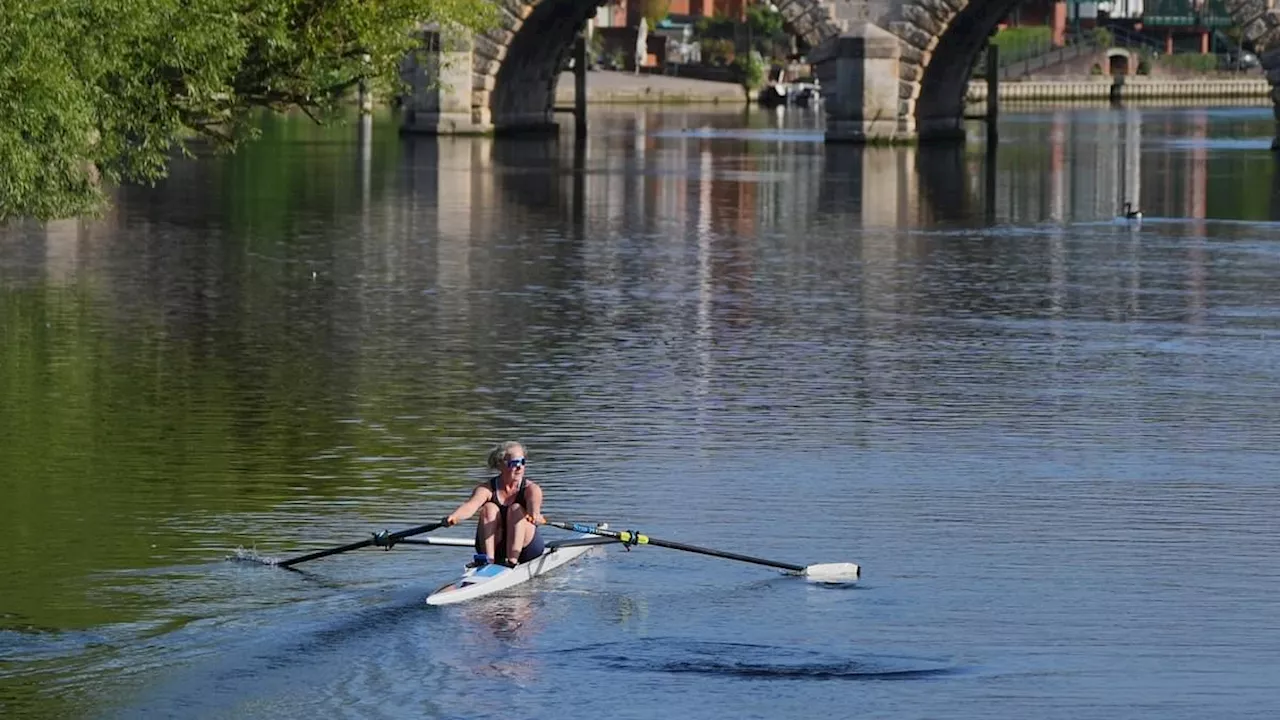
(833, 572)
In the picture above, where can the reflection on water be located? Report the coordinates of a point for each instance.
(745, 660)
(1060, 166)
(1024, 418)
(505, 617)
(499, 632)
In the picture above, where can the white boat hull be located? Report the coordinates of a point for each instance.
(490, 579)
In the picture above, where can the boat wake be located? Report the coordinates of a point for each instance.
(766, 661)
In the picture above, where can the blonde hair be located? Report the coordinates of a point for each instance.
(499, 454)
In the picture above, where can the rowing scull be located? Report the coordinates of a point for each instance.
(488, 579)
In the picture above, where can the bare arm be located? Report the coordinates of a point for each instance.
(479, 496)
(533, 494)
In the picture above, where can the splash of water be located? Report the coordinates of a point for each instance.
(243, 554)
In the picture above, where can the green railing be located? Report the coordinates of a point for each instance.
(1184, 13)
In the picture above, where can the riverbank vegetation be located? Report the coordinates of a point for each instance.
(104, 90)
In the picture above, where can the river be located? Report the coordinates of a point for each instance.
(1047, 434)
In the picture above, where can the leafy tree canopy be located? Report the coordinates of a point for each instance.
(654, 11)
(765, 21)
(109, 89)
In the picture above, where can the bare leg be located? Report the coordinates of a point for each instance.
(490, 530)
(519, 532)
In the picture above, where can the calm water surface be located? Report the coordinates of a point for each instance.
(1049, 437)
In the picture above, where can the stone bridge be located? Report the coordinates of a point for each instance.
(891, 70)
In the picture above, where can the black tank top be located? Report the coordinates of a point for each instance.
(517, 498)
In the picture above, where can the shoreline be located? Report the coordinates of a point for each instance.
(608, 87)
(1125, 88)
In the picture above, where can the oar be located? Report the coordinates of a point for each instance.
(824, 572)
(382, 539)
(441, 542)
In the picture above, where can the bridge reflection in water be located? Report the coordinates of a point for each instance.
(658, 166)
(675, 173)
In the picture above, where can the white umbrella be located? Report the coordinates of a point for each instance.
(642, 43)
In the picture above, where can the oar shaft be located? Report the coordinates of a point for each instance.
(723, 554)
(387, 539)
(324, 553)
(630, 537)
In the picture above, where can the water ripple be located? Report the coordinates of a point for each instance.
(749, 660)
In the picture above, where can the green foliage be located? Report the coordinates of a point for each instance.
(595, 49)
(109, 89)
(654, 11)
(1019, 43)
(1012, 38)
(763, 29)
(750, 71)
(717, 52)
(717, 26)
(1192, 62)
(763, 21)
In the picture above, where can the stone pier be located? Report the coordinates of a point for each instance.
(858, 72)
(439, 76)
(1259, 22)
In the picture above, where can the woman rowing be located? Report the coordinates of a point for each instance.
(510, 511)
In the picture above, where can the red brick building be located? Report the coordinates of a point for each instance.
(627, 13)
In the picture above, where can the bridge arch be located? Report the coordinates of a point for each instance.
(942, 38)
(516, 65)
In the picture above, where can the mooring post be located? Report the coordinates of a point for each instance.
(993, 91)
(580, 85)
(1275, 111)
(990, 186)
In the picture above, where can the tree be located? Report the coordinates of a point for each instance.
(764, 21)
(750, 70)
(108, 90)
(654, 11)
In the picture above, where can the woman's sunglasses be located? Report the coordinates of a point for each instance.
(514, 463)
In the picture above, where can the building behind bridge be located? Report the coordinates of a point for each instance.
(1173, 26)
(1162, 26)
